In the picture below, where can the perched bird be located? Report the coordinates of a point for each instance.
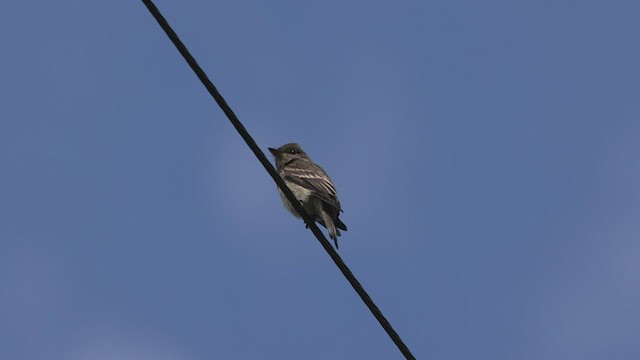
(311, 186)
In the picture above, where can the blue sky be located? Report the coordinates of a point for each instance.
(485, 154)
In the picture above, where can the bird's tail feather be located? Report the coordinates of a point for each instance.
(328, 223)
(340, 225)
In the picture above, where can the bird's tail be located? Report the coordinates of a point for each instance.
(328, 223)
(340, 225)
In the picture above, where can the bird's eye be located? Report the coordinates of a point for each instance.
(292, 151)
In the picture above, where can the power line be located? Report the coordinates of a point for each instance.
(267, 165)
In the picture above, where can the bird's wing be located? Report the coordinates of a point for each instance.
(315, 179)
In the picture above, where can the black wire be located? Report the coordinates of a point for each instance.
(270, 169)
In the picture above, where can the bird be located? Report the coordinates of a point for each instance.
(311, 185)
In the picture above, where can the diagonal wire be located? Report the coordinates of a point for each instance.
(267, 165)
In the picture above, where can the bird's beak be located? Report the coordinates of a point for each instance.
(275, 152)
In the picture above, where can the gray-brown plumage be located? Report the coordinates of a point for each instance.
(311, 186)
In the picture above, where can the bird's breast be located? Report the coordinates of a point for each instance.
(301, 193)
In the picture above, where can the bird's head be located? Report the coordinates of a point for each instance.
(288, 152)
